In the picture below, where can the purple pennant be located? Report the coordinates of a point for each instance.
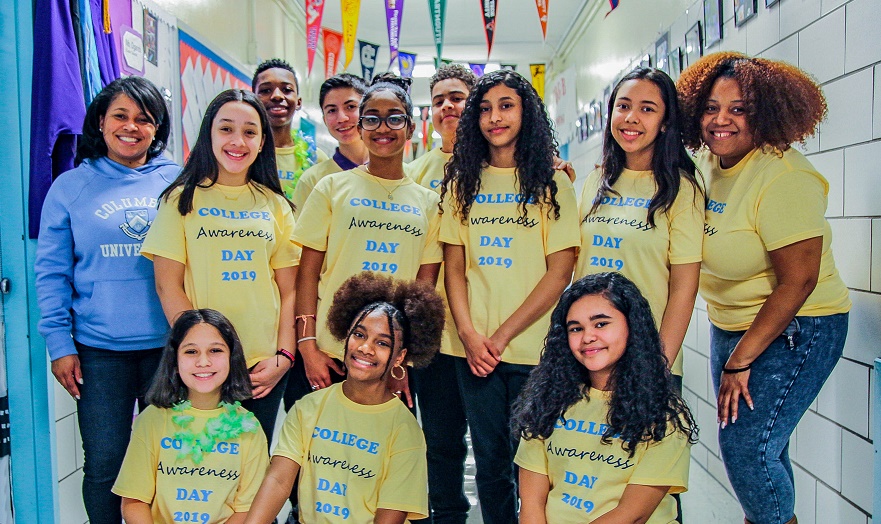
(478, 69)
(394, 10)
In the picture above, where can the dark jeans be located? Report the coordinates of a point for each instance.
(783, 382)
(266, 408)
(443, 423)
(112, 382)
(488, 409)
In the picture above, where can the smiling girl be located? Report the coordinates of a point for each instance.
(195, 423)
(371, 218)
(510, 236)
(359, 453)
(222, 239)
(642, 212)
(602, 393)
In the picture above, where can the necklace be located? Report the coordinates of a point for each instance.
(226, 426)
(374, 178)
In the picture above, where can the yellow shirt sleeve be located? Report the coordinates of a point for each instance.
(405, 486)
(781, 220)
(137, 476)
(531, 456)
(166, 237)
(686, 225)
(290, 441)
(665, 463)
(433, 253)
(563, 233)
(287, 253)
(309, 180)
(314, 224)
(450, 223)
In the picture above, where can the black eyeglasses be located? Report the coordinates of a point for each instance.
(372, 122)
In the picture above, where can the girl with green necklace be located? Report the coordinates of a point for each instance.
(195, 451)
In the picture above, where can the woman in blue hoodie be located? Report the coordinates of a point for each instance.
(101, 318)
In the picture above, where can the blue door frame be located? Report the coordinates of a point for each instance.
(32, 432)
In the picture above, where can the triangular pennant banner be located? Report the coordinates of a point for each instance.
(509, 67)
(407, 62)
(438, 62)
(314, 10)
(350, 9)
(332, 42)
(394, 10)
(542, 6)
(478, 69)
(538, 78)
(614, 5)
(489, 22)
(368, 59)
(437, 9)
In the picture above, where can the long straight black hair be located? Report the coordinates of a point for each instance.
(670, 160)
(201, 167)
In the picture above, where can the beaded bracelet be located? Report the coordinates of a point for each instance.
(286, 354)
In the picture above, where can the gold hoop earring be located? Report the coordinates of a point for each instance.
(403, 372)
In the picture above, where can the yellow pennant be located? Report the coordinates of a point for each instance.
(538, 78)
(351, 9)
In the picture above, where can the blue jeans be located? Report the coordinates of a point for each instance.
(783, 382)
(112, 382)
(488, 409)
(444, 426)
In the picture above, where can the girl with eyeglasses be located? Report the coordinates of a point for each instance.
(371, 218)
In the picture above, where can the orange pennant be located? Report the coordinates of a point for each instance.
(542, 6)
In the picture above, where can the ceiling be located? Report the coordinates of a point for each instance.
(518, 37)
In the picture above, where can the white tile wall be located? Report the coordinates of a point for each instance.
(831, 166)
(706, 419)
(863, 41)
(832, 508)
(65, 443)
(818, 443)
(762, 31)
(876, 105)
(805, 495)
(797, 14)
(864, 333)
(857, 459)
(829, 5)
(845, 397)
(785, 50)
(70, 499)
(852, 243)
(849, 121)
(862, 192)
(821, 47)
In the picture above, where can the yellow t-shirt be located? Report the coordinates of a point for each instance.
(231, 244)
(763, 203)
(588, 477)
(286, 162)
(178, 490)
(354, 458)
(351, 217)
(503, 262)
(428, 170)
(618, 236)
(308, 180)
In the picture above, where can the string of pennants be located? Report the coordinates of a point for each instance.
(335, 41)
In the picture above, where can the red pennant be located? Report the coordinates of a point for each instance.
(332, 42)
(314, 11)
(542, 6)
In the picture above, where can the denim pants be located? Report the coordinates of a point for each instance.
(783, 382)
(444, 426)
(112, 382)
(265, 409)
(488, 403)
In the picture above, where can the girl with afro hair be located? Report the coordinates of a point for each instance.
(603, 394)
(778, 308)
(358, 451)
(510, 232)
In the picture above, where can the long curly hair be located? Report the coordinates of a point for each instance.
(167, 388)
(201, 167)
(643, 400)
(533, 154)
(670, 161)
(783, 104)
(414, 308)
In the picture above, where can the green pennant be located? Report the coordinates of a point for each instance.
(437, 10)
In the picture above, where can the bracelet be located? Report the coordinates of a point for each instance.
(304, 339)
(286, 354)
(731, 371)
(305, 319)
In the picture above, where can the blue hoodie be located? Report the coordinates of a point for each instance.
(92, 283)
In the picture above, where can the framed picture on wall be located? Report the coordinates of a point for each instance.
(712, 22)
(769, 3)
(645, 61)
(744, 10)
(694, 47)
(591, 118)
(597, 113)
(661, 51)
(607, 94)
(674, 63)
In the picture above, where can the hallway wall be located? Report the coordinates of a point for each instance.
(839, 43)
